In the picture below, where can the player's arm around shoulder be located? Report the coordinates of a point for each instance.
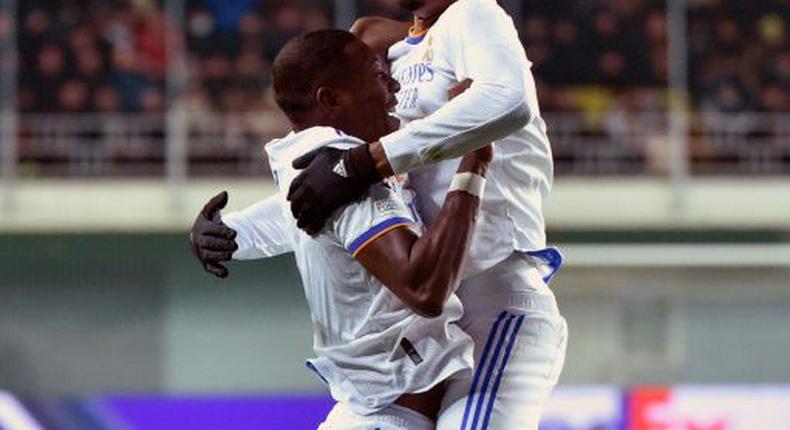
(263, 230)
(380, 33)
(424, 271)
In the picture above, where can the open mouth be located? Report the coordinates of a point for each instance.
(392, 104)
(393, 123)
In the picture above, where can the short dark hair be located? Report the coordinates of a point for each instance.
(306, 62)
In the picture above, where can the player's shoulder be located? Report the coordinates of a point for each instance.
(283, 151)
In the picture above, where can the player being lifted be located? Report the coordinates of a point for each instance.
(520, 337)
(380, 295)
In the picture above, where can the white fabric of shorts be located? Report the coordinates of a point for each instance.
(520, 342)
(393, 417)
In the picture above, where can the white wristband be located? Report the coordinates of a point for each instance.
(468, 182)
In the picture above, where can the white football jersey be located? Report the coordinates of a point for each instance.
(473, 39)
(371, 348)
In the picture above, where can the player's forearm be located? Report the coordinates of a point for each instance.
(437, 258)
(488, 111)
(262, 230)
(424, 271)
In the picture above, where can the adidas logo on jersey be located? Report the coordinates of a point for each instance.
(340, 169)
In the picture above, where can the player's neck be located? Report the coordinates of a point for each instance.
(307, 121)
(423, 22)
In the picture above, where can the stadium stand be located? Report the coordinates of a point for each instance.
(595, 82)
(113, 58)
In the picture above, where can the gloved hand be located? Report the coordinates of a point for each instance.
(331, 179)
(212, 241)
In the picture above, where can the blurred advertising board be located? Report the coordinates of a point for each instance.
(584, 408)
(709, 407)
(685, 407)
(261, 412)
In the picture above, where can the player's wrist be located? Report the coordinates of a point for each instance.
(361, 165)
(469, 183)
(380, 160)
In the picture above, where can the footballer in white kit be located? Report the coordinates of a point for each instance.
(371, 348)
(379, 288)
(509, 310)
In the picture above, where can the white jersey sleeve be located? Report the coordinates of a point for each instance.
(262, 230)
(483, 45)
(359, 224)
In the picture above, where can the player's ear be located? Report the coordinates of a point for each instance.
(327, 98)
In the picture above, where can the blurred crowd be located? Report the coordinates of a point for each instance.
(78, 56)
(598, 53)
(591, 55)
(112, 55)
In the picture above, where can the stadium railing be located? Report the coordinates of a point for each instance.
(614, 143)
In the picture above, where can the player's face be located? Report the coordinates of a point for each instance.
(369, 99)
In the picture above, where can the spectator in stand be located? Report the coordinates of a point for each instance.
(106, 99)
(73, 96)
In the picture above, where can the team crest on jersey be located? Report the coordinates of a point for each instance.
(428, 56)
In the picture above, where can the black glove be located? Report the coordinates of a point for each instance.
(331, 179)
(212, 241)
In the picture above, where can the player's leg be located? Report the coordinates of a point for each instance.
(393, 417)
(518, 358)
(520, 341)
